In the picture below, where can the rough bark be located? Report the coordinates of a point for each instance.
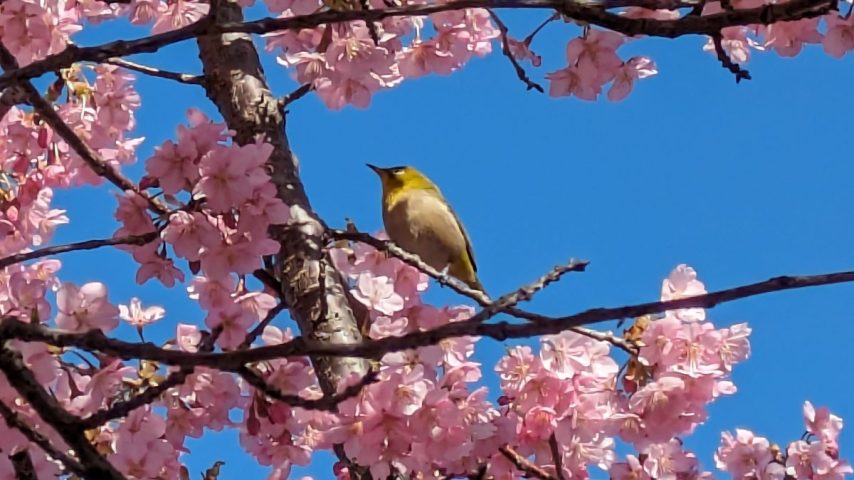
(311, 286)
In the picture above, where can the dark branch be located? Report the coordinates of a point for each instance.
(71, 247)
(14, 420)
(726, 61)
(23, 465)
(592, 12)
(67, 425)
(327, 402)
(300, 92)
(156, 72)
(557, 456)
(149, 395)
(259, 329)
(96, 341)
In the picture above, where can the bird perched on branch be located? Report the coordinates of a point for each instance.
(419, 219)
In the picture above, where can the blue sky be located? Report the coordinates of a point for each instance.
(743, 182)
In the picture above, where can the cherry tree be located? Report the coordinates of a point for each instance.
(369, 370)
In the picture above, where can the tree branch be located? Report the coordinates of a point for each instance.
(95, 340)
(557, 456)
(155, 72)
(726, 61)
(149, 395)
(524, 465)
(463, 289)
(14, 420)
(259, 329)
(310, 286)
(300, 92)
(71, 247)
(23, 465)
(327, 402)
(592, 12)
(66, 425)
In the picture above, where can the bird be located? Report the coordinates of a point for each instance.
(418, 219)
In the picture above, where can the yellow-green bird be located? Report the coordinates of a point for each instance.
(419, 219)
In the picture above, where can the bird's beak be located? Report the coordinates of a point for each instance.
(379, 171)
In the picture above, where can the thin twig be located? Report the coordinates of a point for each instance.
(149, 395)
(300, 92)
(558, 457)
(71, 247)
(476, 295)
(413, 260)
(259, 329)
(525, 465)
(592, 12)
(726, 61)
(505, 48)
(616, 341)
(530, 37)
(156, 72)
(326, 402)
(14, 420)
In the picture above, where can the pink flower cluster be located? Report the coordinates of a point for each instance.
(422, 416)
(224, 203)
(567, 391)
(660, 461)
(787, 39)
(816, 456)
(35, 161)
(345, 66)
(687, 362)
(592, 62)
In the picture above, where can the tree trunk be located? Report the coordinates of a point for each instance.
(312, 287)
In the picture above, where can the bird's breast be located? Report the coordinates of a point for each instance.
(423, 224)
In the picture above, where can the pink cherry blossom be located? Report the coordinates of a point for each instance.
(139, 317)
(378, 294)
(521, 51)
(634, 69)
(187, 337)
(189, 233)
(787, 38)
(743, 455)
(839, 38)
(234, 321)
(682, 283)
(178, 14)
(822, 423)
(85, 308)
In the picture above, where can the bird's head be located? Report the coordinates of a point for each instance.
(402, 178)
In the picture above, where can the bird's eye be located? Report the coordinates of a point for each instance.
(398, 171)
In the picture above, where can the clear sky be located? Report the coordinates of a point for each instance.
(743, 182)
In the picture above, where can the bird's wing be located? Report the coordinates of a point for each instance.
(465, 237)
